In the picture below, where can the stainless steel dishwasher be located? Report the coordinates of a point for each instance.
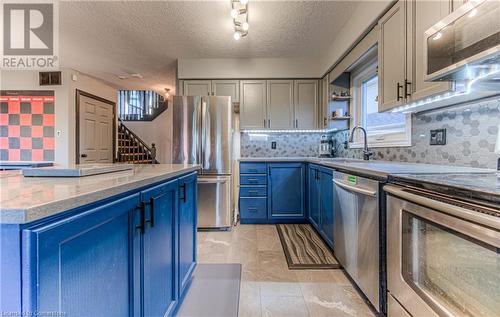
(356, 231)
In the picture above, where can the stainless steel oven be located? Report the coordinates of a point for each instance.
(442, 255)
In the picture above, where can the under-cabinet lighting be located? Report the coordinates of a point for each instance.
(288, 131)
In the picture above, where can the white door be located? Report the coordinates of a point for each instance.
(253, 104)
(229, 88)
(280, 104)
(306, 103)
(197, 87)
(95, 131)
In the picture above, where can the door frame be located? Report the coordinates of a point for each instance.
(79, 93)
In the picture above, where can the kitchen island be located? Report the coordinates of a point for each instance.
(116, 244)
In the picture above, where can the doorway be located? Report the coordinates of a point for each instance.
(95, 129)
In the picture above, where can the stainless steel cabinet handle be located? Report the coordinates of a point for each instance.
(296, 123)
(264, 123)
(355, 189)
(268, 123)
(212, 181)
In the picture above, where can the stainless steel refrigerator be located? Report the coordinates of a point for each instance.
(203, 134)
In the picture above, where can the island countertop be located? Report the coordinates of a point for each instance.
(27, 199)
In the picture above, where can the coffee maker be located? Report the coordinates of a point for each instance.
(325, 146)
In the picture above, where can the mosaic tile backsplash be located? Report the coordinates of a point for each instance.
(471, 131)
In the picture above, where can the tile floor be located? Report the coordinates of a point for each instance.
(268, 287)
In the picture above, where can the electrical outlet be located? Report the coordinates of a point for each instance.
(273, 145)
(438, 137)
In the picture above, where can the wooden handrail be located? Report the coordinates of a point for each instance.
(146, 153)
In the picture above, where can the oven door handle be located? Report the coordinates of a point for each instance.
(443, 207)
(357, 190)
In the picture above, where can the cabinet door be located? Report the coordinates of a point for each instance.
(197, 87)
(187, 230)
(80, 266)
(229, 88)
(313, 196)
(392, 57)
(423, 15)
(286, 197)
(280, 104)
(253, 104)
(306, 103)
(160, 249)
(326, 205)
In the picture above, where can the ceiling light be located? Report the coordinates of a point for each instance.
(234, 13)
(167, 93)
(245, 26)
(243, 2)
(237, 35)
(136, 75)
(122, 77)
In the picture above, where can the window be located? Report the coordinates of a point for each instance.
(384, 129)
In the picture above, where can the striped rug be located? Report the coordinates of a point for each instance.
(304, 248)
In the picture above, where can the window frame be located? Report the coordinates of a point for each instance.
(359, 75)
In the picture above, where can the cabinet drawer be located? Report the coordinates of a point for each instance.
(253, 168)
(253, 208)
(253, 191)
(253, 179)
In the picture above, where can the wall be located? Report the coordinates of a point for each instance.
(359, 23)
(65, 103)
(158, 131)
(471, 135)
(208, 68)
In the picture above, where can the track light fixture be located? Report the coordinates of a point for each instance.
(239, 13)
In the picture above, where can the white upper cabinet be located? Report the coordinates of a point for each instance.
(306, 104)
(197, 88)
(253, 109)
(392, 57)
(401, 51)
(227, 88)
(280, 104)
(423, 15)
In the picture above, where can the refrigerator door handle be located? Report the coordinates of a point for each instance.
(212, 180)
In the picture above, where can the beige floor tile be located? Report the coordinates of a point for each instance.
(268, 287)
(250, 299)
(327, 299)
(289, 306)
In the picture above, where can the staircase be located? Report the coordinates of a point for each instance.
(131, 149)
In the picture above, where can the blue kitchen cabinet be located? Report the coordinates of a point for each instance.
(187, 230)
(286, 191)
(313, 197)
(326, 204)
(320, 201)
(129, 255)
(159, 249)
(80, 265)
(253, 193)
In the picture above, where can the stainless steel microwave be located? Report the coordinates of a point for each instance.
(465, 44)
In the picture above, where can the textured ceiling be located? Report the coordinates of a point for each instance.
(106, 39)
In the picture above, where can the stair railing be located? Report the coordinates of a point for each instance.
(133, 149)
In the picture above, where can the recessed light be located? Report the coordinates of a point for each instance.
(136, 75)
(122, 77)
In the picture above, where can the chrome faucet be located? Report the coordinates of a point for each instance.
(366, 152)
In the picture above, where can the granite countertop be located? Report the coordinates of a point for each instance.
(378, 169)
(26, 199)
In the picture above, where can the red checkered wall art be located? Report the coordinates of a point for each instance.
(27, 126)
